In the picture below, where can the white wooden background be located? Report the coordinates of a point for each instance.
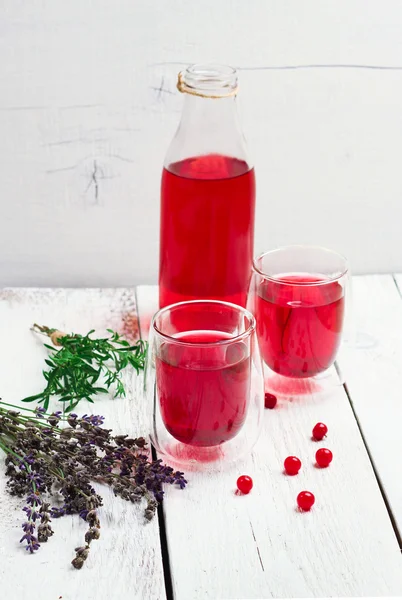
(219, 545)
(88, 106)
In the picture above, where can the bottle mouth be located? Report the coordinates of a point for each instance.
(208, 81)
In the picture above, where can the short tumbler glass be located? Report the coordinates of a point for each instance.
(204, 381)
(298, 299)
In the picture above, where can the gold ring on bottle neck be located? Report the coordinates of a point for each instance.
(184, 89)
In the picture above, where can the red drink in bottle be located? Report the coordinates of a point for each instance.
(207, 223)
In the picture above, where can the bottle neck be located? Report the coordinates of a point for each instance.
(208, 126)
(210, 114)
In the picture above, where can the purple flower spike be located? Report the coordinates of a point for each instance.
(30, 513)
(57, 512)
(33, 499)
(29, 528)
(32, 545)
(95, 420)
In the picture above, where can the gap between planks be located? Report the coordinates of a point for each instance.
(161, 517)
(372, 369)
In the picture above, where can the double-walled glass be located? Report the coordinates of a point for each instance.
(204, 381)
(298, 299)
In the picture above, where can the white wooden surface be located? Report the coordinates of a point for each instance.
(259, 546)
(126, 562)
(88, 107)
(222, 545)
(372, 371)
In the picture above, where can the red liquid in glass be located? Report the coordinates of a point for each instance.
(203, 390)
(207, 230)
(299, 327)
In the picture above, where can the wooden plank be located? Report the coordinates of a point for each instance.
(85, 127)
(259, 546)
(372, 369)
(126, 563)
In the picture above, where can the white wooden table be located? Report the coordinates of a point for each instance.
(209, 543)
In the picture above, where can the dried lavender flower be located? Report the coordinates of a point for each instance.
(80, 557)
(93, 533)
(51, 455)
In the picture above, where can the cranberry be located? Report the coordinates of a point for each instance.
(292, 465)
(245, 484)
(320, 431)
(323, 457)
(270, 400)
(305, 500)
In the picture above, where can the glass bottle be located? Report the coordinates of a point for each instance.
(207, 195)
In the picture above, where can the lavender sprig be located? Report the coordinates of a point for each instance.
(57, 456)
(33, 503)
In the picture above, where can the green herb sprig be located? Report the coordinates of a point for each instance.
(75, 369)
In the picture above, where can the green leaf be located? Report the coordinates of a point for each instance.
(51, 348)
(33, 398)
(65, 398)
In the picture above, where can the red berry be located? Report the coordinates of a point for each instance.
(305, 500)
(292, 465)
(320, 431)
(245, 484)
(323, 457)
(270, 400)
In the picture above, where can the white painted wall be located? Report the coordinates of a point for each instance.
(80, 87)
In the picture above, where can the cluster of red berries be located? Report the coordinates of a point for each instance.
(292, 464)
